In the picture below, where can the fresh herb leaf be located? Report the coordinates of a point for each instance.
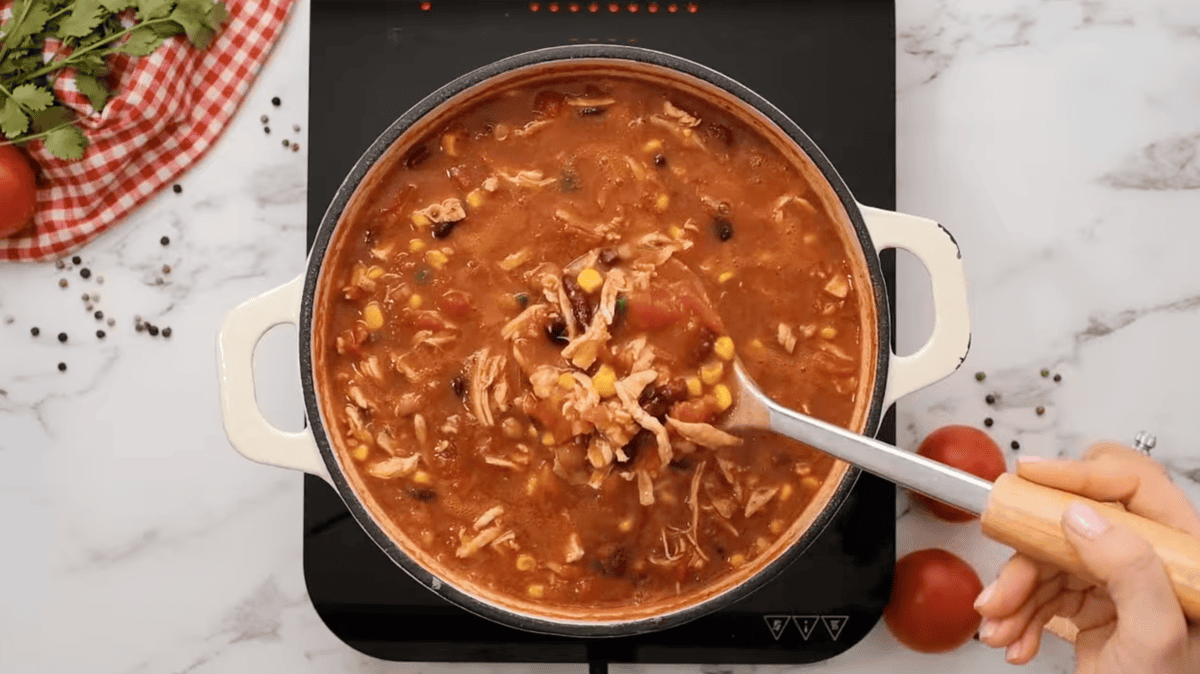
(66, 143)
(92, 63)
(33, 97)
(28, 19)
(94, 89)
(154, 9)
(85, 15)
(142, 42)
(117, 6)
(51, 117)
(194, 23)
(13, 120)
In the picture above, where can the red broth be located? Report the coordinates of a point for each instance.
(528, 329)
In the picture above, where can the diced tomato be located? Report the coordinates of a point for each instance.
(699, 410)
(427, 320)
(654, 310)
(457, 304)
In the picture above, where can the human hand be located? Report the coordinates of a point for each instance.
(1133, 623)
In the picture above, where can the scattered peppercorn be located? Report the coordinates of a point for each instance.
(95, 297)
(60, 265)
(153, 330)
(177, 188)
(158, 281)
(85, 297)
(62, 367)
(62, 283)
(165, 240)
(1040, 410)
(267, 129)
(988, 422)
(1058, 377)
(989, 399)
(166, 269)
(85, 272)
(100, 334)
(76, 260)
(1045, 372)
(276, 102)
(111, 321)
(139, 326)
(99, 315)
(979, 376)
(296, 128)
(62, 337)
(35, 331)
(264, 119)
(286, 142)
(166, 332)
(295, 147)
(1015, 445)
(100, 280)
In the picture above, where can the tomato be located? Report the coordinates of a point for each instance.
(932, 605)
(18, 191)
(964, 448)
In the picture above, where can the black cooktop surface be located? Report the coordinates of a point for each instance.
(830, 66)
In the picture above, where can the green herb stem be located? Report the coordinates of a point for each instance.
(34, 136)
(56, 65)
(15, 24)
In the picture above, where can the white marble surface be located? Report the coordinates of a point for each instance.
(1060, 141)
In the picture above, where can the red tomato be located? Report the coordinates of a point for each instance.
(964, 448)
(932, 605)
(18, 191)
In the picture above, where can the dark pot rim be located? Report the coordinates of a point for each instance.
(363, 516)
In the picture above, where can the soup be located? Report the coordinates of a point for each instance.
(526, 332)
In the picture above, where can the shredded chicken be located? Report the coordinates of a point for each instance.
(477, 542)
(450, 210)
(585, 102)
(420, 429)
(487, 517)
(359, 399)
(583, 350)
(531, 178)
(759, 498)
(531, 127)
(491, 184)
(503, 463)
(645, 488)
(527, 322)
(680, 116)
(574, 549)
(371, 367)
(484, 370)
(705, 435)
(659, 248)
(802, 204)
(786, 337)
(396, 466)
(629, 401)
(386, 441)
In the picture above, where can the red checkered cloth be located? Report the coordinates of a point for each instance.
(168, 110)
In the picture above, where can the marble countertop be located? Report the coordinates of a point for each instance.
(1059, 141)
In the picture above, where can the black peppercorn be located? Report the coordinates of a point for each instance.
(1045, 372)
(165, 240)
(988, 422)
(296, 128)
(989, 399)
(76, 260)
(99, 315)
(62, 367)
(35, 331)
(86, 297)
(139, 326)
(62, 283)
(266, 129)
(979, 376)
(177, 188)
(62, 337)
(1040, 410)
(60, 265)
(85, 272)
(286, 142)
(166, 269)
(153, 330)
(100, 334)
(264, 119)
(166, 332)
(1058, 377)
(1015, 445)
(723, 228)
(276, 102)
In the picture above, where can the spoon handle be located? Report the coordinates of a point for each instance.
(1028, 517)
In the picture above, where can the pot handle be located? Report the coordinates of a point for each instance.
(249, 432)
(936, 248)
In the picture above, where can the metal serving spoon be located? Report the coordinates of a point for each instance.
(1023, 515)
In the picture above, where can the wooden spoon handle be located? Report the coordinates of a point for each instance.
(1028, 517)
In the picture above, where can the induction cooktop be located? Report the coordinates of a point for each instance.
(830, 66)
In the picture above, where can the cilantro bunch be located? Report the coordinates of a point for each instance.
(89, 31)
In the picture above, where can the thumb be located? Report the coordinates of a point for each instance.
(1150, 621)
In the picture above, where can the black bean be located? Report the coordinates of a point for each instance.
(424, 495)
(556, 331)
(100, 334)
(592, 111)
(1058, 377)
(442, 229)
(111, 321)
(657, 400)
(62, 337)
(681, 463)
(1015, 445)
(979, 376)
(702, 346)
(166, 332)
(76, 260)
(580, 307)
(719, 132)
(989, 399)
(177, 188)
(62, 367)
(416, 156)
(608, 257)
(458, 384)
(276, 102)
(166, 240)
(988, 422)
(85, 272)
(643, 439)
(723, 228)
(660, 160)
(35, 331)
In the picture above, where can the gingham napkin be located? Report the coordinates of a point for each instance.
(168, 109)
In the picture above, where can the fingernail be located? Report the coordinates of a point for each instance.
(1085, 521)
(985, 595)
(1030, 459)
(986, 630)
(1013, 651)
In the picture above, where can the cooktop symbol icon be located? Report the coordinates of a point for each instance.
(835, 624)
(777, 624)
(806, 624)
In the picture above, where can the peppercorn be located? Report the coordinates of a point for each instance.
(1040, 410)
(266, 129)
(165, 240)
(166, 332)
(264, 119)
(286, 142)
(76, 260)
(979, 376)
(85, 297)
(35, 331)
(296, 128)
(723, 228)
(988, 422)
(153, 330)
(62, 283)
(177, 188)
(276, 102)
(85, 272)
(60, 265)
(1058, 377)
(139, 326)
(295, 147)
(62, 337)
(99, 315)
(100, 334)
(166, 269)
(1015, 445)
(1045, 372)
(62, 367)
(158, 281)
(100, 280)
(989, 399)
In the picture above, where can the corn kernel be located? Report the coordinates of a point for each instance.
(810, 238)
(374, 272)
(725, 277)
(475, 198)
(420, 220)
(373, 316)
(416, 245)
(785, 492)
(605, 382)
(436, 259)
(415, 301)
(526, 563)
(776, 526)
(531, 485)
(363, 436)
(450, 145)
(590, 280)
(829, 332)
(661, 203)
(695, 388)
(711, 373)
(532, 432)
(761, 544)
(359, 453)
(687, 133)
(724, 348)
(652, 146)
(547, 438)
(537, 591)
(757, 343)
(737, 560)
(421, 477)
(810, 483)
(626, 525)
(724, 397)
(566, 381)
(675, 231)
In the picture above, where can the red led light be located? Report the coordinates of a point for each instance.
(633, 7)
(533, 6)
(573, 7)
(693, 7)
(594, 7)
(614, 7)
(554, 7)
(672, 8)
(652, 8)
(425, 6)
